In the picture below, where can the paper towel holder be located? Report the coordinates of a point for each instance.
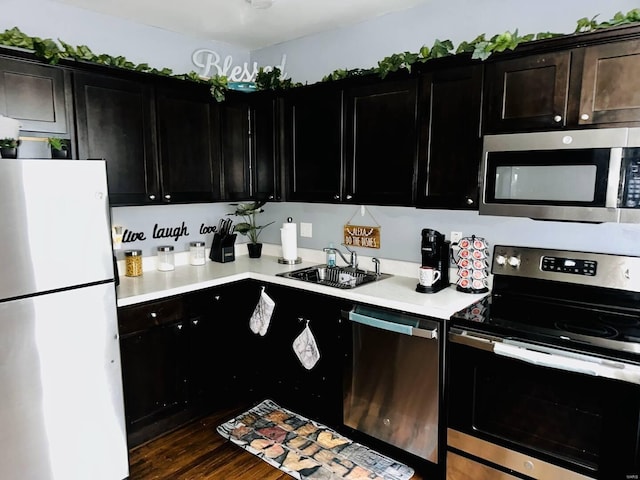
(285, 261)
(289, 262)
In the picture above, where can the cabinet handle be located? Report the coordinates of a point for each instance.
(584, 116)
(349, 196)
(195, 322)
(216, 297)
(153, 314)
(336, 197)
(152, 197)
(180, 327)
(557, 118)
(469, 201)
(167, 197)
(270, 197)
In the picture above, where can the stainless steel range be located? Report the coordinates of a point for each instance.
(544, 375)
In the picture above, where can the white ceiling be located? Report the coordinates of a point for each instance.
(237, 23)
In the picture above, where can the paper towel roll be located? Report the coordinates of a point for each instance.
(289, 239)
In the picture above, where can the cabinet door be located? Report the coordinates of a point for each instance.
(35, 95)
(313, 148)
(154, 373)
(206, 316)
(315, 392)
(265, 168)
(528, 93)
(115, 121)
(186, 139)
(236, 175)
(381, 143)
(249, 147)
(450, 141)
(610, 91)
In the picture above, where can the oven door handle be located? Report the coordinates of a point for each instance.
(546, 359)
(549, 357)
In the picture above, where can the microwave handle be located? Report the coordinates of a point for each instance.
(613, 179)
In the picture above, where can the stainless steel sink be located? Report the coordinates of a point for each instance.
(337, 277)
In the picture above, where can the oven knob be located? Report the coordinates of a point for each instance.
(514, 262)
(501, 259)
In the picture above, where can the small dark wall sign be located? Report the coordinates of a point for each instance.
(174, 232)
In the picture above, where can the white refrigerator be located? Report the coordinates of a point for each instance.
(61, 402)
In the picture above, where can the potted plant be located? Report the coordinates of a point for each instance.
(9, 148)
(59, 147)
(249, 226)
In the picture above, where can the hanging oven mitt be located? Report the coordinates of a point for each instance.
(261, 317)
(306, 348)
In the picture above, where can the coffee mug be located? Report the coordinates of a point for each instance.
(428, 276)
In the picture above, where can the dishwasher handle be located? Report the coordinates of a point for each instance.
(431, 334)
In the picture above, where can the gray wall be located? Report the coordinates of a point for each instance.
(363, 45)
(309, 59)
(105, 34)
(400, 228)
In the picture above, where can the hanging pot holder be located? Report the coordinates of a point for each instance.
(261, 317)
(306, 349)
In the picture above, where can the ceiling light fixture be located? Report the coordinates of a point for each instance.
(260, 3)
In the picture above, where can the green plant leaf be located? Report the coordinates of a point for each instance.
(441, 48)
(469, 47)
(482, 51)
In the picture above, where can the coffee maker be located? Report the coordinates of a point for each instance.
(435, 254)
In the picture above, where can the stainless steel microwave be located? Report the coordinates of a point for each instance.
(581, 175)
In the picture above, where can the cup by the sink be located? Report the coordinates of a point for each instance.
(322, 273)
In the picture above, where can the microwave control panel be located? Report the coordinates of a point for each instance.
(631, 195)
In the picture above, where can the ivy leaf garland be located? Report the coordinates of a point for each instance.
(480, 49)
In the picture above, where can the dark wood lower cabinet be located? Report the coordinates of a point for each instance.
(315, 392)
(187, 356)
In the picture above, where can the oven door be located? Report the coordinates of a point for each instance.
(543, 412)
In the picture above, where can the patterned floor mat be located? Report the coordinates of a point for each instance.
(306, 449)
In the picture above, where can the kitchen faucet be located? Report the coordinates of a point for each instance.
(353, 261)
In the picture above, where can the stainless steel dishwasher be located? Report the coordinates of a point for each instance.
(392, 385)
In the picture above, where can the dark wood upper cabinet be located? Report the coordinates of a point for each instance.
(249, 129)
(115, 120)
(313, 146)
(186, 135)
(381, 136)
(610, 92)
(158, 139)
(580, 86)
(527, 93)
(450, 141)
(37, 95)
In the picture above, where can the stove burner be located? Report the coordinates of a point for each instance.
(621, 321)
(589, 329)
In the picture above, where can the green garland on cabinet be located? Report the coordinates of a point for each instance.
(480, 48)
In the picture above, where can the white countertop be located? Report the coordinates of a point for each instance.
(397, 292)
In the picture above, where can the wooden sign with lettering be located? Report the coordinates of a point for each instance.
(362, 236)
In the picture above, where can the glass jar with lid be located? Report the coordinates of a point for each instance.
(133, 263)
(196, 253)
(165, 260)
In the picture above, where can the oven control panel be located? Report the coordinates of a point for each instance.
(619, 272)
(568, 265)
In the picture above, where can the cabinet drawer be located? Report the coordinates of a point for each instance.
(147, 315)
(461, 468)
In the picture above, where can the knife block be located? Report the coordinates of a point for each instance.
(223, 248)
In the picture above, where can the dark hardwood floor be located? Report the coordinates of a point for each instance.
(197, 452)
